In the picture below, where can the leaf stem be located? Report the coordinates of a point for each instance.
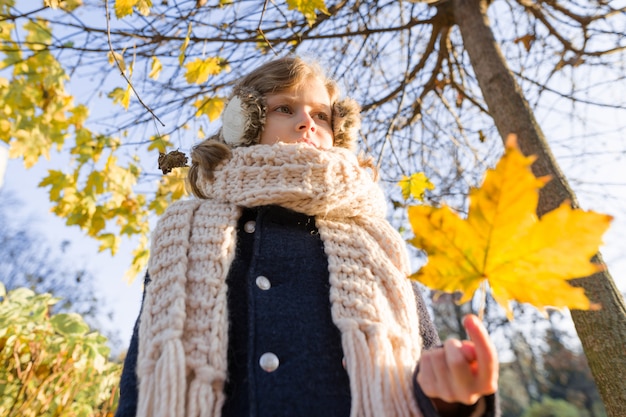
(483, 300)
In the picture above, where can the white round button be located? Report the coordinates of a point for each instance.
(263, 283)
(249, 226)
(269, 362)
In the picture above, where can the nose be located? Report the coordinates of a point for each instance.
(306, 122)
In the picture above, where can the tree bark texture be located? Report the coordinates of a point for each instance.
(603, 332)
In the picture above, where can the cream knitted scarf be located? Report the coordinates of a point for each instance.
(182, 365)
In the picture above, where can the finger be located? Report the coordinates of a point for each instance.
(435, 380)
(469, 352)
(426, 377)
(486, 357)
(462, 378)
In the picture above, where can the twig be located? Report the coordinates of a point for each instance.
(260, 31)
(108, 19)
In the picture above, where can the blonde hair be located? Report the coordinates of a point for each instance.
(285, 73)
(274, 77)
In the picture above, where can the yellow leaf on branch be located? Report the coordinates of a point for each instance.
(51, 3)
(125, 7)
(121, 96)
(115, 58)
(199, 70)
(415, 186)
(155, 68)
(503, 243)
(30, 145)
(108, 241)
(183, 47)
(212, 107)
(171, 188)
(143, 7)
(308, 8)
(38, 35)
(160, 143)
(141, 254)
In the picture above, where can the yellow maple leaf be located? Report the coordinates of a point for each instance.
(116, 58)
(38, 34)
(141, 254)
(124, 7)
(121, 96)
(504, 244)
(415, 186)
(79, 115)
(160, 143)
(199, 70)
(308, 8)
(143, 7)
(70, 5)
(108, 241)
(212, 107)
(30, 145)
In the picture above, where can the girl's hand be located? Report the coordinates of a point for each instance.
(461, 371)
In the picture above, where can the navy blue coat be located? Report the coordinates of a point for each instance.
(279, 305)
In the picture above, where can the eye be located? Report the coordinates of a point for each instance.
(323, 116)
(283, 109)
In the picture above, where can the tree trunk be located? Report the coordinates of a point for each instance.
(603, 332)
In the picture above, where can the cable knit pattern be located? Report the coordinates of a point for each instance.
(182, 361)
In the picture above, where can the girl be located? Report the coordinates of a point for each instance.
(281, 290)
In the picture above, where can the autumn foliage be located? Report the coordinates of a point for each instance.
(52, 365)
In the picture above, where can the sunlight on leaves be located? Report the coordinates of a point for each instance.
(504, 244)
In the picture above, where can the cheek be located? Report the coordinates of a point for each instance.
(268, 139)
(270, 134)
(328, 139)
(329, 131)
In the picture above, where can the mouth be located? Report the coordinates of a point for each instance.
(307, 141)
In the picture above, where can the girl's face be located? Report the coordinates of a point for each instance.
(300, 114)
